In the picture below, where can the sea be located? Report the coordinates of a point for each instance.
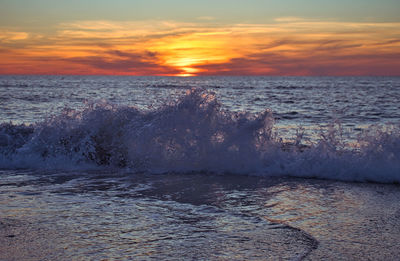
(199, 168)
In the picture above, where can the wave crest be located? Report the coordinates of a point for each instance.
(194, 133)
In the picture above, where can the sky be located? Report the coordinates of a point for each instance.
(194, 38)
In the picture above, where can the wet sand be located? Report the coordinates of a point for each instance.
(180, 217)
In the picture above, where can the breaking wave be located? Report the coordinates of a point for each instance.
(194, 134)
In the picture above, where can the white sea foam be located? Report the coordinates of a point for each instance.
(194, 134)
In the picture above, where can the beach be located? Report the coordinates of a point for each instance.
(198, 216)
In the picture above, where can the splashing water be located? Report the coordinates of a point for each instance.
(194, 134)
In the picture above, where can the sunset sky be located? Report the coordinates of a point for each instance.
(208, 37)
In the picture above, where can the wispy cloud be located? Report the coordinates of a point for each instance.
(288, 46)
(11, 36)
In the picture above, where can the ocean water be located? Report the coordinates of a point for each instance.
(137, 168)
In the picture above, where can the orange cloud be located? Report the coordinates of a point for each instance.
(7, 36)
(289, 46)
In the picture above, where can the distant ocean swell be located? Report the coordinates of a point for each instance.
(194, 134)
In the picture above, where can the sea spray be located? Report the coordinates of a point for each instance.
(195, 134)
